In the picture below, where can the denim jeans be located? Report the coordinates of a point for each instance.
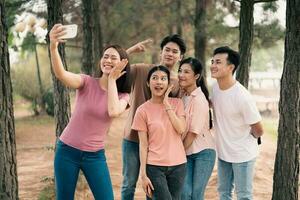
(239, 174)
(131, 168)
(67, 163)
(199, 168)
(167, 181)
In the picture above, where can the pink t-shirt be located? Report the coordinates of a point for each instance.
(165, 144)
(90, 121)
(197, 117)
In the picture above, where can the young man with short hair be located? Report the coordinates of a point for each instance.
(172, 50)
(237, 125)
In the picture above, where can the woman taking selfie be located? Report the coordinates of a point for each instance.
(98, 100)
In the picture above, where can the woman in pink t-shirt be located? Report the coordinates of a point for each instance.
(98, 100)
(198, 142)
(160, 122)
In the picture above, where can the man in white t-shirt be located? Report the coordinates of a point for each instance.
(237, 124)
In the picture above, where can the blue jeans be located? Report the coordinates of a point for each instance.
(199, 168)
(239, 174)
(67, 163)
(167, 181)
(131, 168)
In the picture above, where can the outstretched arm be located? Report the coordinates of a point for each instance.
(139, 47)
(68, 78)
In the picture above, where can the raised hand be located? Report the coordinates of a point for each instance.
(55, 33)
(166, 98)
(139, 47)
(117, 70)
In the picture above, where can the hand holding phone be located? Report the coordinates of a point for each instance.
(71, 31)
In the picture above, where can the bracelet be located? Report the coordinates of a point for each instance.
(169, 109)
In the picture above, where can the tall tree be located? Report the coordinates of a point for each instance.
(286, 172)
(92, 37)
(8, 164)
(246, 38)
(61, 94)
(200, 30)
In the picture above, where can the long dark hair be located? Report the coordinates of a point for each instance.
(124, 82)
(197, 68)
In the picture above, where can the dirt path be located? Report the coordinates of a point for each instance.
(35, 162)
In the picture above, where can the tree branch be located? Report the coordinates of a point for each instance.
(264, 1)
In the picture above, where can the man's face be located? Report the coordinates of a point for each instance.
(170, 55)
(219, 66)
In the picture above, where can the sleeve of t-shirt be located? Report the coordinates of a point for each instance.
(84, 81)
(180, 108)
(124, 96)
(199, 115)
(139, 121)
(249, 110)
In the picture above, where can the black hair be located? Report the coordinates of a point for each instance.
(197, 68)
(158, 68)
(233, 56)
(176, 39)
(124, 82)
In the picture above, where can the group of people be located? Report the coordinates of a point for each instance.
(169, 139)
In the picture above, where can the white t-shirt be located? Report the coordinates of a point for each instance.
(234, 111)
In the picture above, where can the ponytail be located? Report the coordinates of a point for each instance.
(201, 82)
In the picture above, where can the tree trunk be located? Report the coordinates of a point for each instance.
(92, 37)
(246, 40)
(8, 162)
(38, 71)
(61, 93)
(178, 17)
(286, 172)
(200, 30)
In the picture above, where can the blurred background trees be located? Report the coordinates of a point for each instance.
(246, 25)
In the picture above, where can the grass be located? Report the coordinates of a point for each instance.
(270, 126)
(35, 120)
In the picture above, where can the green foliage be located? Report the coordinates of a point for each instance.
(48, 99)
(48, 192)
(270, 127)
(264, 59)
(29, 42)
(25, 81)
(266, 35)
(270, 6)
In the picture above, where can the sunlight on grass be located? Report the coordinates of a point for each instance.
(270, 126)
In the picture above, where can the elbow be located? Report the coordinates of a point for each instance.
(113, 114)
(181, 130)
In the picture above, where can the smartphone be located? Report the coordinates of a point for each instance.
(71, 31)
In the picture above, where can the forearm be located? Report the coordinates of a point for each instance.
(177, 122)
(57, 64)
(188, 140)
(115, 107)
(143, 158)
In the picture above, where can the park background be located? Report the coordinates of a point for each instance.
(204, 24)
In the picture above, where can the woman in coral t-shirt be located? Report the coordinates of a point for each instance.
(160, 122)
